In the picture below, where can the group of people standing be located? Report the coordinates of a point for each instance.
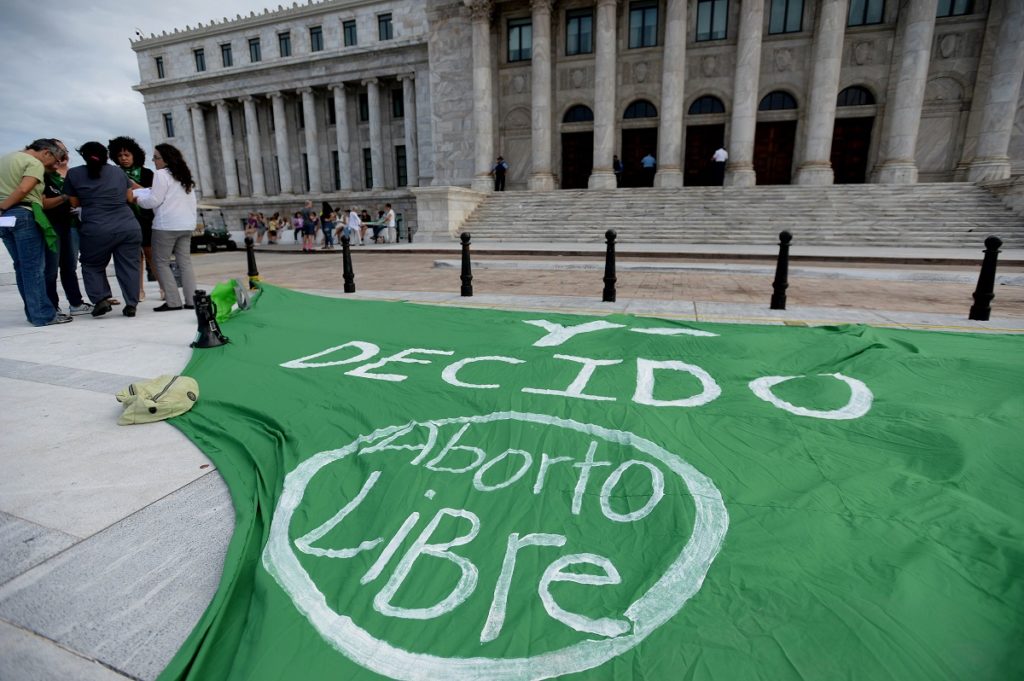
(326, 226)
(53, 217)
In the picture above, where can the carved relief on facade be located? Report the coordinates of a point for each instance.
(709, 66)
(783, 59)
(576, 78)
(862, 53)
(481, 10)
(517, 119)
(958, 45)
(948, 45)
(943, 89)
(515, 84)
(641, 70)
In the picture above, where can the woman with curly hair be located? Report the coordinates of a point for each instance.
(130, 157)
(173, 200)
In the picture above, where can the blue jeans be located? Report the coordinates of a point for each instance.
(27, 247)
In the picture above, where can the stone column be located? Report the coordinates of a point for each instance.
(252, 138)
(412, 156)
(602, 177)
(341, 130)
(673, 78)
(896, 158)
(284, 160)
(541, 178)
(483, 95)
(376, 137)
(227, 149)
(826, 60)
(739, 171)
(312, 140)
(202, 150)
(991, 160)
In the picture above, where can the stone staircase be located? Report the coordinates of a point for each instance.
(950, 215)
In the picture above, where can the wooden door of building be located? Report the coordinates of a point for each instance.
(577, 159)
(637, 143)
(702, 141)
(851, 140)
(773, 152)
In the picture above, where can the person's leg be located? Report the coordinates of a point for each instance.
(163, 246)
(127, 253)
(51, 263)
(25, 244)
(94, 255)
(183, 257)
(67, 255)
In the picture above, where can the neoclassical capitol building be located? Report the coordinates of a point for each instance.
(362, 101)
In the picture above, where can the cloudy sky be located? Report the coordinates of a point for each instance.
(69, 68)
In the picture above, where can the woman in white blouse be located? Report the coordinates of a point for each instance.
(173, 201)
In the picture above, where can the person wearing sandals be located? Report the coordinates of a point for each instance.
(173, 203)
(108, 229)
(130, 157)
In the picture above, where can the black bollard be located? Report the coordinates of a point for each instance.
(467, 270)
(347, 273)
(985, 291)
(781, 282)
(250, 255)
(608, 295)
(208, 335)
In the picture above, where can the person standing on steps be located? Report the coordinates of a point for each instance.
(617, 169)
(720, 157)
(499, 171)
(649, 165)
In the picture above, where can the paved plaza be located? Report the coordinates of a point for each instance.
(112, 538)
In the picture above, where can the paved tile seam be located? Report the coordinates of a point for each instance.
(71, 651)
(65, 377)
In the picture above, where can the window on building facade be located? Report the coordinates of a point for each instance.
(641, 108)
(305, 171)
(775, 101)
(954, 8)
(200, 56)
(385, 31)
(316, 39)
(855, 96)
(397, 104)
(367, 168)
(364, 107)
(707, 104)
(787, 16)
(300, 117)
(579, 31)
(337, 171)
(348, 29)
(332, 115)
(643, 24)
(168, 125)
(578, 114)
(225, 55)
(520, 39)
(864, 12)
(284, 44)
(712, 16)
(401, 169)
(254, 50)
(159, 67)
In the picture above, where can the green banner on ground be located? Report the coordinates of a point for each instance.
(441, 493)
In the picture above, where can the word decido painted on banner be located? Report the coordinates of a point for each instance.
(501, 546)
(369, 365)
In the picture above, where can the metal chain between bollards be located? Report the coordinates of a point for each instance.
(347, 273)
(985, 291)
(781, 282)
(608, 295)
(250, 256)
(467, 270)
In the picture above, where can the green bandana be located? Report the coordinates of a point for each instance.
(426, 492)
(43, 222)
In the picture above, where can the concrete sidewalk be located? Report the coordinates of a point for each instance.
(112, 538)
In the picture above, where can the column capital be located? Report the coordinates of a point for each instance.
(370, 81)
(219, 103)
(304, 90)
(401, 77)
(194, 106)
(480, 10)
(276, 94)
(606, 3)
(338, 87)
(247, 98)
(542, 5)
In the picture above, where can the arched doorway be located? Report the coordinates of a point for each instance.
(851, 136)
(702, 140)
(577, 147)
(775, 138)
(638, 140)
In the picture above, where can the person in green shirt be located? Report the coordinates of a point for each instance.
(21, 188)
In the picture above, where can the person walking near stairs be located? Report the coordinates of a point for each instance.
(498, 171)
(649, 165)
(720, 157)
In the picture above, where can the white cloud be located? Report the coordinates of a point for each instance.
(69, 67)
